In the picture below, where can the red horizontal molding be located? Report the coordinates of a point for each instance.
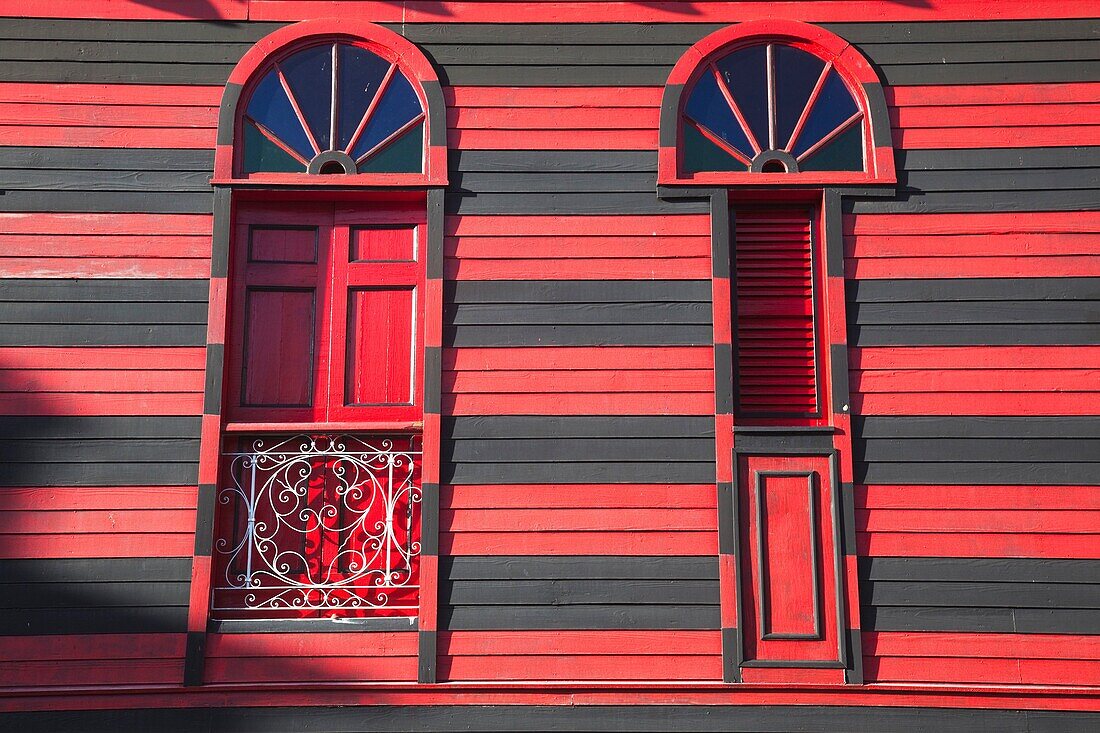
(96, 403)
(971, 246)
(163, 543)
(936, 498)
(581, 357)
(98, 114)
(982, 671)
(982, 544)
(634, 12)
(946, 95)
(988, 646)
(107, 137)
(579, 543)
(103, 357)
(974, 357)
(113, 225)
(599, 667)
(977, 403)
(618, 403)
(976, 380)
(686, 268)
(93, 267)
(591, 246)
(631, 519)
(129, 9)
(973, 223)
(179, 381)
(121, 520)
(351, 668)
(302, 647)
(596, 381)
(95, 672)
(578, 120)
(17, 498)
(571, 496)
(555, 226)
(1023, 519)
(89, 647)
(580, 643)
(997, 137)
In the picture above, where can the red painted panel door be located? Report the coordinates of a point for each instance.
(789, 553)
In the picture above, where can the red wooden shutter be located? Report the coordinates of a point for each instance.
(774, 299)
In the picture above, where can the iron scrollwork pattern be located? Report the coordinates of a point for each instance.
(319, 525)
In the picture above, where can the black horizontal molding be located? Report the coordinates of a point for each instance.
(81, 570)
(102, 594)
(969, 426)
(102, 313)
(597, 335)
(553, 426)
(662, 313)
(540, 161)
(988, 594)
(977, 159)
(78, 450)
(579, 473)
(101, 474)
(780, 442)
(587, 567)
(571, 203)
(64, 290)
(574, 450)
(573, 592)
(1038, 450)
(115, 202)
(1023, 312)
(978, 334)
(125, 50)
(67, 427)
(115, 72)
(981, 620)
(980, 569)
(151, 182)
(1000, 473)
(947, 202)
(606, 616)
(108, 159)
(688, 718)
(103, 335)
(577, 291)
(92, 620)
(973, 289)
(1047, 180)
(170, 32)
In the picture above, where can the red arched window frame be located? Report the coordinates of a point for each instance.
(854, 69)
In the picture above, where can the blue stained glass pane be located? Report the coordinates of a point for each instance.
(709, 108)
(700, 154)
(270, 107)
(359, 74)
(746, 75)
(796, 74)
(399, 105)
(833, 105)
(262, 155)
(309, 75)
(403, 155)
(843, 153)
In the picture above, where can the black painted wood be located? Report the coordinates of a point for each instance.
(578, 473)
(610, 335)
(564, 567)
(578, 314)
(562, 592)
(969, 426)
(981, 620)
(595, 616)
(65, 427)
(999, 473)
(980, 569)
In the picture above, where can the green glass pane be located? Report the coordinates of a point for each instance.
(262, 155)
(842, 153)
(701, 154)
(403, 155)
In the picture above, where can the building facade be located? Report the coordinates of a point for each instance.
(512, 365)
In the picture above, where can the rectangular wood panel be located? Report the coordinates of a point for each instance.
(379, 366)
(786, 532)
(278, 348)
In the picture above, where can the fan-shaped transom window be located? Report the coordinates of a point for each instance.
(333, 108)
(771, 108)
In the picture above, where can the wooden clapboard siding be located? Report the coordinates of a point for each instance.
(581, 655)
(571, 380)
(130, 521)
(95, 659)
(312, 657)
(101, 380)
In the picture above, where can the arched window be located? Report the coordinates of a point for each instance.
(774, 98)
(320, 436)
(775, 122)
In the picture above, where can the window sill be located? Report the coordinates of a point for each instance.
(413, 426)
(312, 625)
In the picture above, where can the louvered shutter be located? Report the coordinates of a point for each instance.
(774, 334)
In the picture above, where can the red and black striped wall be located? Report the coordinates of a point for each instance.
(578, 501)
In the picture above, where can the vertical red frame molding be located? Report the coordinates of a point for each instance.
(832, 441)
(431, 183)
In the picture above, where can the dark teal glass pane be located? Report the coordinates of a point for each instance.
(833, 105)
(262, 155)
(796, 74)
(701, 154)
(399, 105)
(309, 75)
(358, 76)
(403, 155)
(746, 75)
(709, 108)
(270, 107)
(842, 153)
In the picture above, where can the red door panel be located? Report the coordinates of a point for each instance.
(789, 560)
(279, 334)
(380, 340)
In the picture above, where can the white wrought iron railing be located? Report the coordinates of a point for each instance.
(317, 526)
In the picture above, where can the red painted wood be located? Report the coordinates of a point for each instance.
(107, 137)
(976, 380)
(887, 268)
(129, 114)
(980, 645)
(91, 673)
(96, 497)
(764, 675)
(579, 358)
(280, 329)
(972, 223)
(579, 269)
(96, 403)
(313, 644)
(955, 544)
(620, 403)
(579, 543)
(554, 226)
(978, 497)
(625, 12)
(112, 225)
(74, 647)
(591, 380)
(870, 358)
(380, 358)
(156, 95)
(108, 544)
(597, 97)
(131, 9)
(991, 94)
(568, 496)
(305, 670)
(1013, 671)
(100, 380)
(92, 521)
(579, 643)
(969, 403)
(1024, 519)
(784, 546)
(619, 519)
(577, 119)
(563, 667)
(151, 245)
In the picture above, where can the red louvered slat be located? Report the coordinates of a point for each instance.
(774, 335)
